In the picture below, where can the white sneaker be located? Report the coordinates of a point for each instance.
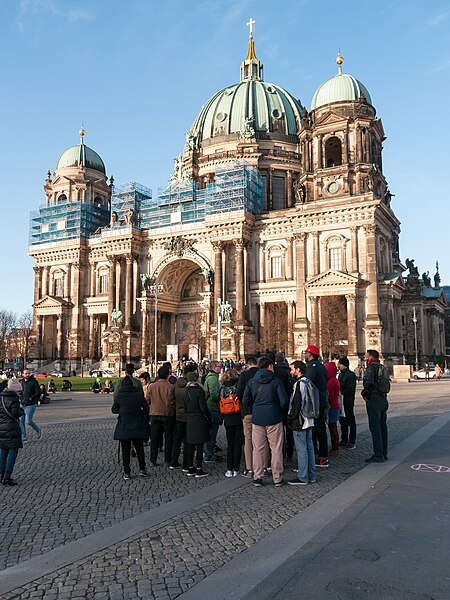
(235, 473)
(229, 474)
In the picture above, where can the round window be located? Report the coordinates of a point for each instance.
(221, 116)
(276, 114)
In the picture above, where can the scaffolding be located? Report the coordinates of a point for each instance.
(67, 220)
(236, 187)
(130, 197)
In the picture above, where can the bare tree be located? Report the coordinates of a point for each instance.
(333, 326)
(7, 323)
(20, 336)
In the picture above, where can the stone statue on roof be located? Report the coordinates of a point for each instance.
(426, 279)
(226, 310)
(247, 131)
(413, 270)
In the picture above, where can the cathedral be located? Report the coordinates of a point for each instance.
(275, 231)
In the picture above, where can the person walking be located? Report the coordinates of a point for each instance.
(377, 406)
(316, 372)
(302, 428)
(30, 396)
(132, 424)
(233, 425)
(162, 413)
(250, 371)
(347, 382)
(334, 407)
(265, 398)
(212, 394)
(10, 431)
(198, 424)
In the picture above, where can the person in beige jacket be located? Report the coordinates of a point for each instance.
(162, 414)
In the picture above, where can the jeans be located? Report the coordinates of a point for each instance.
(377, 414)
(209, 446)
(348, 422)
(320, 433)
(7, 460)
(306, 462)
(190, 449)
(179, 438)
(27, 419)
(159, 425)
(126, 451)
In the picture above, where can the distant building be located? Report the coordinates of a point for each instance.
(281, 211)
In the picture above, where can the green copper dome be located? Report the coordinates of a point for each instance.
(81, 156)
(341, 88)
(267, 108)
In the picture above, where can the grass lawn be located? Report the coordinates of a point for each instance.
(79, 384)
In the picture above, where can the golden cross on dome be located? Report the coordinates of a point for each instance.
(250, 24)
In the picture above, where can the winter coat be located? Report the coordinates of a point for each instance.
(133, 419)
(30, 391)
(212, 391)
(283, 372)
(370, 388)
(162, 401)
(197, 413)
(316, 372)
(347, 381)
(265, 399)
(178, 391)
(10, 434)
(333, 385)
(136, 383)
(235, 418)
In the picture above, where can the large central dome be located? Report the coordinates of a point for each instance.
(267, 108)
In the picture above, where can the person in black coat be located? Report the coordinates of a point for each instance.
(198, 424)
(10, 433)
(132, 424)
(233, 425)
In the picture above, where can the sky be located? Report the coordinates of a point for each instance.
(135, 73)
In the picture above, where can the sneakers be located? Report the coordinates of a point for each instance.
(375, 459)
(201, 473)
(350, 446)
(127, 476)
(247, 473)
(143, 474)
(296, 482)
(191, 472)
(185, 470)
(8, 480)
(279, 483)
(313, 481)
(258, 482)
(235, 473)
(174, 466)
(323, 463)
(229, 474)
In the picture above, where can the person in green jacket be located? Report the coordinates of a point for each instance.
(212, 394)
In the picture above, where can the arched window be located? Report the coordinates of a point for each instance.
(62, 198)
(336, 254)
(277, 262)
(333, 152)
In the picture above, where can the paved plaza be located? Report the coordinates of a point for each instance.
(73, 528)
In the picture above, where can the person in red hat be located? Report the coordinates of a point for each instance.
(316, 372)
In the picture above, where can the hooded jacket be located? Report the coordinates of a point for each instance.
(178, 391)
(265, 399)
(10, 434)
(347, 381)
(333, 385)
(130, 405)
(212, 391)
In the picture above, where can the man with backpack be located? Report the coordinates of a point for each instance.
(376, 386)
(304, 406)
(316, 372)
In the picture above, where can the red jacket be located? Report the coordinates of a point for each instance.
(333, 385)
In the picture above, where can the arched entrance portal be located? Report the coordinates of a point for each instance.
(183, 311)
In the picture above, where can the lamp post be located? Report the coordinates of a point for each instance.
(70, 353)
(219, 327)
(415, 338)
(155, 289)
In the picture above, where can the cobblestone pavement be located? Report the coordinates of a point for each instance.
(70, 487)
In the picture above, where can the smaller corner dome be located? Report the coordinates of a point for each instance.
(81, 156)
(340, 88)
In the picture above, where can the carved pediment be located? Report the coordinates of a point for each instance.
(334, 282)
(329, 118)
(51, 303)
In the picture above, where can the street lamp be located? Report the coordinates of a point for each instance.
(219, 327)
(70, 353)
(415, 337)
(155, 289)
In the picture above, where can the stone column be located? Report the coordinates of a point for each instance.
(91, 278)
(289, 189)
(39, 322)
(315, 320)
(354, 243)
(300, 277)
(37, 283)
(76, 295)
(316, 253)
(262, 323)
(144, 332)
(111, 287)
(372, 290)
(358, 142)
(345, 147)
(262, 259)
(290, 324)
(239, 245)
(135, 283)
(217, 246)
(289, 259)
(128, 292)
(45, 281)
(66, 284)
(319, 151)
(247, 263)
(91, 350)
(270, 189)
(59, 337)
(351, 324)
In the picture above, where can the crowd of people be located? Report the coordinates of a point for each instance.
(267, 407)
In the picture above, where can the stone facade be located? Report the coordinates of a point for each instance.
(320, 264)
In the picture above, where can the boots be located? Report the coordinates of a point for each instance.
(8, 480)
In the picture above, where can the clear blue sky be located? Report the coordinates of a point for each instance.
(137, 72)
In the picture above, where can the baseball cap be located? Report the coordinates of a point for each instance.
(313, 350)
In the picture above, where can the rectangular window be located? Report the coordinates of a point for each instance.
(336, 259)
(278, 193)
(403, 320)
(276, 264)
(264, 192)
(59, 287)
(103, 284)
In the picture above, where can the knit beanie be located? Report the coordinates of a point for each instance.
(192, 376)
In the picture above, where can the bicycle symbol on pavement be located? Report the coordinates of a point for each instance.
(431, 468)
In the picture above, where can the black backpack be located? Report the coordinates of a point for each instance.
(383, 382)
